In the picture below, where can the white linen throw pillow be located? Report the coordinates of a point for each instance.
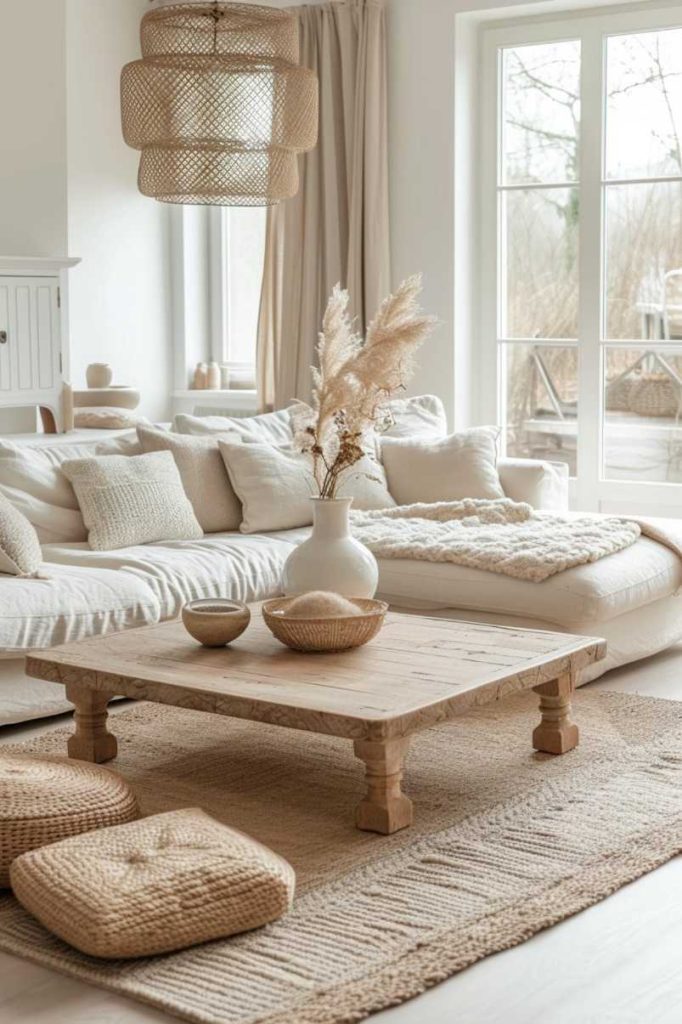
(268, 427)
(32, 480)
(460, 466)
(275, 485)
(136, 499)
(20, 553)
(203, 476)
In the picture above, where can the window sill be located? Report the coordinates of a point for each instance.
(233, 400)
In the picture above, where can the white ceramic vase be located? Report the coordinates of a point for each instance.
(331, 559)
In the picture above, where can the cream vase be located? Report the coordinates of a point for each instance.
(331, 559)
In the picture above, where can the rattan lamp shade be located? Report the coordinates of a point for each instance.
(218, 104)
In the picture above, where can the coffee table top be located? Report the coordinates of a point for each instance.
(417, 672)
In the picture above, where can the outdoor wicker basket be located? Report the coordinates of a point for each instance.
(655, 394)
(325, 634)
(618, 394)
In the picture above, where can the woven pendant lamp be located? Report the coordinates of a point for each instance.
(218, 105)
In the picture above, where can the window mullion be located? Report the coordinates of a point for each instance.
(590, 310)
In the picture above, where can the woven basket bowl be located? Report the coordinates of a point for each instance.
(325, 634)
(655, 394)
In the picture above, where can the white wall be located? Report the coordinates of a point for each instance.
(33, 128)
(120, 293)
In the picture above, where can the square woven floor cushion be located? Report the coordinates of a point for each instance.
(45, 799)
(159, 884)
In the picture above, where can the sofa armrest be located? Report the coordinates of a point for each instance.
(544, 485)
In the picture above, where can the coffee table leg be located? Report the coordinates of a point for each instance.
(556, 733)
(91, 741)
(385, 808)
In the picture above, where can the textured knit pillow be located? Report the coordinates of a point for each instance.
(275, 485)
(20, 553)
(163, 883)
(45, 799)
(203, 476)
(443, 469)
(132, 500)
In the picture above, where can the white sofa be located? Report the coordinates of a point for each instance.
(631, 598)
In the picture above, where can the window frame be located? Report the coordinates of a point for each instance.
(590, 490)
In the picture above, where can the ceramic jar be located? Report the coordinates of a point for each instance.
(99, 375)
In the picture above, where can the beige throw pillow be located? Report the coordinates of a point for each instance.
(20, 553)
(203, 476)
(443, 469)
(135, 499)
(275, 486)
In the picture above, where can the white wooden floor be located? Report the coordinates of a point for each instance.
(616, 963)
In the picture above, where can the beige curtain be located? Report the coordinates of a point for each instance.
(336, 227)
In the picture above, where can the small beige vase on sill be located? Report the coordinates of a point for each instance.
(331, 559)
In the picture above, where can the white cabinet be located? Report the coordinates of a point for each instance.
(34, 335)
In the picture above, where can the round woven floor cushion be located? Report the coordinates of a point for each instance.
(45, 799)
(159, 884)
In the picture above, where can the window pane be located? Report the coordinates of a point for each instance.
(541, 263)
(643, 250)
(644, 106)
(245, 255)
(642, 418)
(541, 112)
(541, 390)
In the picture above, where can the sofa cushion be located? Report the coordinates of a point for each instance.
(71, 603)
(644, 572)
(203, 476)
(32, 479)
(132, 500)
(232, 565)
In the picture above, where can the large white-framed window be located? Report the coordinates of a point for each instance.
(237, 252)
(580, 271)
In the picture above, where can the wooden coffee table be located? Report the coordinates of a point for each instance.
(418, 672)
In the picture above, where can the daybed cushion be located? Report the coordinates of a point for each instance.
(72, 603)
(644, 572)
(234, 565)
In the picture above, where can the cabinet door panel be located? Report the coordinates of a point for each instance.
(45, 338)
(5, 369)
(22, 343)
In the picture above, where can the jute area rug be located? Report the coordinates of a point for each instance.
(505, 843)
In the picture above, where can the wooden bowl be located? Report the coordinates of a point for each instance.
(215, 622)
(325, 634)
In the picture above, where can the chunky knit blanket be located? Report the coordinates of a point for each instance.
(501, 536)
